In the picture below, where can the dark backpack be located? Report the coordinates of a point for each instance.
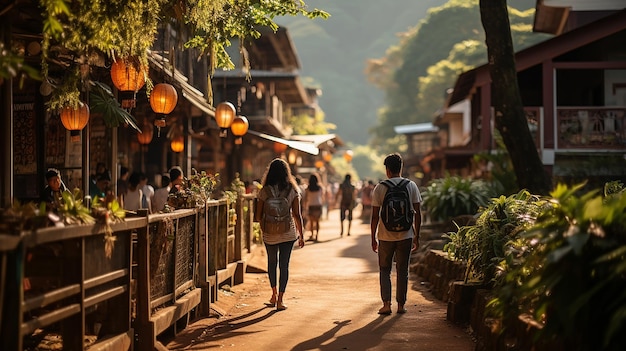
(276, 214)
(397, 210)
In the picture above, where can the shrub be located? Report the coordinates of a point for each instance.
(569, 271)
(482, 246)
(453, 196)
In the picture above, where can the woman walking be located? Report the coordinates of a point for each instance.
(278, 211)
(313, 201)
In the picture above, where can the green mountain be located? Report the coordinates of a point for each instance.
(334, 53)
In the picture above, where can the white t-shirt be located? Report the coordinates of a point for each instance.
(160, 199)
(378, 195)
(132, 200)
(148, 194)
(313, 198)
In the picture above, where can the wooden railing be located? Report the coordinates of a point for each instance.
(57, 283)
(591, 128)
(61, 288)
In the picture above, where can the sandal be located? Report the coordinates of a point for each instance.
(385, 310)
(280, 306)
(272, 302)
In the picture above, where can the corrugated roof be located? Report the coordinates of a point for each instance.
(415, 128)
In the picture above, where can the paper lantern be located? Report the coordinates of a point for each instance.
(128, 74)
(147, 131)
(348, 155)
(163, 98)
(239, 127)
(319, 164)
(178, 144)
(75, 119)
(224, 116)
(279, 148)
(327, 156)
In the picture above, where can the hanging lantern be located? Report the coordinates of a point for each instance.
(163, 98)
(128, 74)
(239, 127)
(292, 157)
(147, 131)
(75, 119)
(224, 116)
(348, 155)
(279, 148)
(319, 164)
(327, 156)
(178, 144)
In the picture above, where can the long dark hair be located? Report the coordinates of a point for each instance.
(314, 182)
(278, 173)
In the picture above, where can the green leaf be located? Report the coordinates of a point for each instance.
(101, 100)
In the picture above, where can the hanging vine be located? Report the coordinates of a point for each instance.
(88, 29)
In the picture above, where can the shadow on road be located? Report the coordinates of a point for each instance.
(364, 338)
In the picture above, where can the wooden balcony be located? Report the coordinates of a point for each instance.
(591, 128)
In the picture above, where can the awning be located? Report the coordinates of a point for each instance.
(309, 148)
(319, 139)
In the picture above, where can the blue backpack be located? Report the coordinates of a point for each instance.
(397, 210)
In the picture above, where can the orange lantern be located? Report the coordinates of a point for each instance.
(292, 157)
(279, 148)
(178, 144)
(319, 164)
(327, 156)
(75, 119)
(128, 74)
(239, 127)
(348, 155)
(224, 116)
(147, 131)
(163, 98)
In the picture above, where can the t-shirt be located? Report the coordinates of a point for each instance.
(378, 195)
(273, 239)
(347, 194)
(160, 198)
(132, 200)
(148, 194)
(314, 198)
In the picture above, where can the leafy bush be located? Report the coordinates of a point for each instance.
(569, 271)
(195, 190)
(448, 197)
(482, 246)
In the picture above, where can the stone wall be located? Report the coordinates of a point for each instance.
(467, 305)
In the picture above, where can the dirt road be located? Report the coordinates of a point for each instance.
(332, 299)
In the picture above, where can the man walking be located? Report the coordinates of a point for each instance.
(396, 218)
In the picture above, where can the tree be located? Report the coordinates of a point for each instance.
(415, 79)
(507, 102)
(79, 31)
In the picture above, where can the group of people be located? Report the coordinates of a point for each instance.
(390, 244)
(279, 186)
(133, 191)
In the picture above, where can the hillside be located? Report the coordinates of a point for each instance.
(334, 52)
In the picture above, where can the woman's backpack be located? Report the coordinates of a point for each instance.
(276, 213)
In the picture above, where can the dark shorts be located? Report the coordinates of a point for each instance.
(315, 212)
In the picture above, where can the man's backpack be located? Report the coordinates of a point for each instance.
(397, 210)
(276, 213)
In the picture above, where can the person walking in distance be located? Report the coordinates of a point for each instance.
(313, 200)
(347, 195)
(278, 211)
(395, 230)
